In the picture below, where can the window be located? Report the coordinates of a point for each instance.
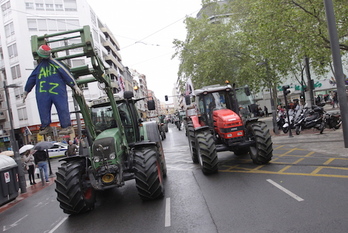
(29, 5)
(39, 6)
(18, 93)
(32, 26)
(16, 72)
(59, 7)
(22, 114)
(72, 24)
(9, 30)
(61, 25)
(12, 51)
(49, 7)
(42, 24)
(70, 5)
(6, 6)
(52, 24)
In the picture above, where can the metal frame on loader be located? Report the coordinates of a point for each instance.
(220, 120)
(120, 148)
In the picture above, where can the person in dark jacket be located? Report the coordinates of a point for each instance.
(40, 159)
(72, 149)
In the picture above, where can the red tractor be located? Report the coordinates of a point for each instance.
(221, 120)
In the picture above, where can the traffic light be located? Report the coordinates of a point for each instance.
(166, 98)
(285, 90)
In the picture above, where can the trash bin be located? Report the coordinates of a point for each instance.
(9, 182)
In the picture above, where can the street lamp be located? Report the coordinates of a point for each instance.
(14, 143)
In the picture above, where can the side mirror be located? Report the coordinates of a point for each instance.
(151, 105)
(128, 95)
(187, 100)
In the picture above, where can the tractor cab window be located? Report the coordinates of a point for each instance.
(124, 114)
(103, 118)
(126, 121)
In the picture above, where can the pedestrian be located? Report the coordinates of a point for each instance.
(29, 165)
(265, 109)
(334, 100)
(72, 149)
(76, 140)
(51, 78)
(40, 159)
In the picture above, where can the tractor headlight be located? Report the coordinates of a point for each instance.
(96, 159)
(112, 156)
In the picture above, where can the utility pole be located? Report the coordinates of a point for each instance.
(14, 143)
(337, 62)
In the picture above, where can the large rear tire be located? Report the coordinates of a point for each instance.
(207, 154)
(262, 151)
(74, 191)
(192, 143)
(149, 173)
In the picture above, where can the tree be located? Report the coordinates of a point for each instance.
(281, 32)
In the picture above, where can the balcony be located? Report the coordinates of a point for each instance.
(114, 60)
(108, 45)
(3, 115)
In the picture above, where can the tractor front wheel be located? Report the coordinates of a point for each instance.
(192, 143)
(207, 154)
(149, 173)
(262, 151)
(74, 191)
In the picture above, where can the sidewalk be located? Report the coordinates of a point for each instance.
(31, 190)
(330, 142)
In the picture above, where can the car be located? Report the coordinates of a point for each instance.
(58, 150)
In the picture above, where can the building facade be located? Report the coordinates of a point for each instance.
(20, 20)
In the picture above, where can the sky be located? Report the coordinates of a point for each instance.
(145, 30)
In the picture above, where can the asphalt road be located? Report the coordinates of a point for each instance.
(299, 191)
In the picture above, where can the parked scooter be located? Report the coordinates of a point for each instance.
(281, 121)
(310, 118)
(292, 116)
(333, 120)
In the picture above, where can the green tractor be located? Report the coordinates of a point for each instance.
(117, 145)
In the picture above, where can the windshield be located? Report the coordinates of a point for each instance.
(103, 118)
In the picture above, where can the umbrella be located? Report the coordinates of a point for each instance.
(43, 145)
(25, 148)
(7, 152)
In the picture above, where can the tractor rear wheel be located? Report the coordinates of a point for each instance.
(149, 173)
(207, 154)
(262, 151)
(74, 191)
(192, 143)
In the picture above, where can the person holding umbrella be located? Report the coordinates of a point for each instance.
(40, 158)
(30, 166)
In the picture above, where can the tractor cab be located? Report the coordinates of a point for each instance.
(214, 101)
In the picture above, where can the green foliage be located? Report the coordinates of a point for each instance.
(254, 31)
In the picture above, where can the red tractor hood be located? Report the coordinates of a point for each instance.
(227, 123)
(226, 115)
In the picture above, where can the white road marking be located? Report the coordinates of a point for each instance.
(58, 225)
(5, 228)
(291, 194)
(167, 214)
